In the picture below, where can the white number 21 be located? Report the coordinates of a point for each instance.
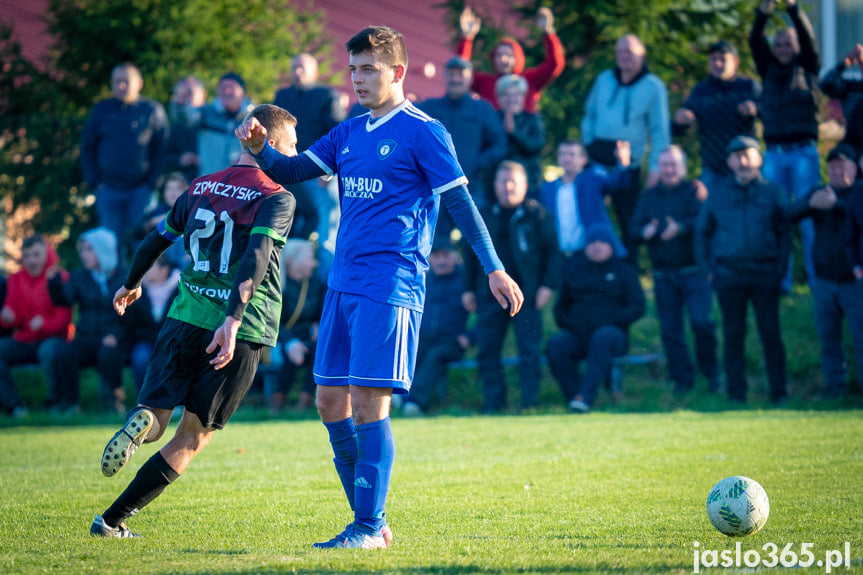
(209, 219)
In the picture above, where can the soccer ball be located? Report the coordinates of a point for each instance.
(738, 506)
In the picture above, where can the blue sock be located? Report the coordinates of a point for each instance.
(375, 456)
(343, 438)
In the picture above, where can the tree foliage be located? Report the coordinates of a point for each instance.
(42, 112)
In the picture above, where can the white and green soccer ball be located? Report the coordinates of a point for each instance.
(738, 506)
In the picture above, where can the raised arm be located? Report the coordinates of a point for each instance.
(761, 52)
(809, 58)
(285, 170)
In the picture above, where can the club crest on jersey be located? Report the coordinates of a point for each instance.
(385, 148)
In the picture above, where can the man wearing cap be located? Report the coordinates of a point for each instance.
(742, 242)
(443, 335)
(723, 106)
(836, 293)
(476, 131)
(789, 109)
(217, 146)
(600, 297)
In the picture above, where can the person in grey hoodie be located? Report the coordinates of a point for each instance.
(101, 336)
(627, 103)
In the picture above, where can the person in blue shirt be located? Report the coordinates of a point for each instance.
(395, 165)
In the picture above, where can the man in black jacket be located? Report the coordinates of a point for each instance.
(835, 291)
(443, 336)
(476, 130)
(600, 297)
(789, 110)
(724, 106)
(524, 237)
(742, 242)
(664, 219)
(123, 152)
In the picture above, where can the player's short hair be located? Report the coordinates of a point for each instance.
(511, 166)
(31, 241)
(275, 119)
(383, 42)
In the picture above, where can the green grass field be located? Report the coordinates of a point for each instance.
(604, 493)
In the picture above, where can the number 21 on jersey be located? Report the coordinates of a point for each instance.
(209, 229)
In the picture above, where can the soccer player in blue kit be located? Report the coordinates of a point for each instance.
(395, 165)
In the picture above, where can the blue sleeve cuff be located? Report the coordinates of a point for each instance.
(468, 220)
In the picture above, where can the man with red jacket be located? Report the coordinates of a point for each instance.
(508, 58)
(39, 327)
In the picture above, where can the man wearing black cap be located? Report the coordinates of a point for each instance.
(476, 130)
(724, 106)
(600, 297)
(836, 293)
(742, 242)
(217, 146)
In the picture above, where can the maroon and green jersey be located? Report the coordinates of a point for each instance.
(216, 217)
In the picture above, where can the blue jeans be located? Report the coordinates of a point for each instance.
(565, 351)
(833, 301)
(142, 353)
(796, 171)
(120, 211)
(674, 291)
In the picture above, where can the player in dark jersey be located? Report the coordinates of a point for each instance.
(233, 224)
(395, 166)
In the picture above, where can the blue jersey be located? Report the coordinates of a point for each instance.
(390, 172)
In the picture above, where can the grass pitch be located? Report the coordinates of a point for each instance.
(604, 493)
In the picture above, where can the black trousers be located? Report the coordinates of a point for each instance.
(734, 295)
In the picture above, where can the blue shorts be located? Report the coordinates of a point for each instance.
(365, 343)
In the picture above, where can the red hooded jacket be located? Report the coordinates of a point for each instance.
(28, 297)
(537, 78)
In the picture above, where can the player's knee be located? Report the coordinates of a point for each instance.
(333, 403)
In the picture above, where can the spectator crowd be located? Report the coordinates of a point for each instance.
(724, 236)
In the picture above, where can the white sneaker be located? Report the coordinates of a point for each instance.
(577, 406)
